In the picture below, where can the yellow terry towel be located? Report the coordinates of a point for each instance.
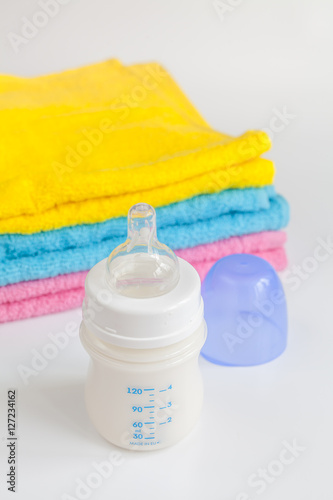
(84, 145)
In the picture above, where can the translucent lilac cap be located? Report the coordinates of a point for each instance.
(245, 312)
(142, 267)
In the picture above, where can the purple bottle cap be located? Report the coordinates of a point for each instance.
(245, 312)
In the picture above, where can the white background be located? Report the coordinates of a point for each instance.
(238, 69)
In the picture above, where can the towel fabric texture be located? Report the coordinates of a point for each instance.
(45, 296)
(76, 259)
(102, 137)
(197, 209)
(79, 148)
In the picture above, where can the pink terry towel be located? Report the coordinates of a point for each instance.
(36, 298)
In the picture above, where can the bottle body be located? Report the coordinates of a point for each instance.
(144, 399)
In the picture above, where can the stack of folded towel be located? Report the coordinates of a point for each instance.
(81, 147)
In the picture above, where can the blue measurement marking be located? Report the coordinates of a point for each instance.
(161, 423)
(151, 401)
(149, 390)
(150, 438)
(162, 407)
(162, 390)
(152, 412)
(147, 423)
(148, 406)
(152, 433)
(151, 417)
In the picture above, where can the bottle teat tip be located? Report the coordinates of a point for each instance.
(142, 266)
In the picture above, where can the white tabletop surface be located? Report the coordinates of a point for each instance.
(241, 63)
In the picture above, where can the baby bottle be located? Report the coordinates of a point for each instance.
(143, 328)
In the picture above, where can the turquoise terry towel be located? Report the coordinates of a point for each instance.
(189, 234)
(190, 211)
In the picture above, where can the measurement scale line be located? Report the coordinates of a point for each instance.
(149, 390)
(150, 438)
(151, 412)
(151, 417)
(162, 407)
(162, 390)
(161, 423)
(151, 401)
(148, 406)
(146, 423)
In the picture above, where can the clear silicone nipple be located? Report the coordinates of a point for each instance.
(142, 266)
